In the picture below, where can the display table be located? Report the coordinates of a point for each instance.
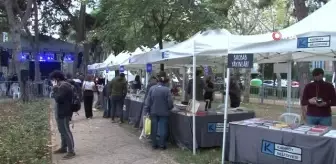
(251, 144)
(134, 111)
(209, 128)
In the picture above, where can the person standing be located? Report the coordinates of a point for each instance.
(136, 83)
(317, 99)
(88, 94)
(62, 93)
(118, 91)
(208, 94)
(234, 92)
(106, 96)
(158, 104)
(199, 87)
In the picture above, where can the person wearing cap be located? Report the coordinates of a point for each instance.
(317, 99)
(118, 91)
(158, 105)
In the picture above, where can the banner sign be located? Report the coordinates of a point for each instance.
(121, 69)
(164, 55)
(313, 41)
(149, 68)
(240, 60)
(215, 127)
(283, 151)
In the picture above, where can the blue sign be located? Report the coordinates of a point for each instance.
(206, 70)
(313, 41)
(215, 127)
(164, 55)
(282, 151)
(121, 69)
(267, 147)
(211, 127)
(107, 71)
(149, 68)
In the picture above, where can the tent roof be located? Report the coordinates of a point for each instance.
(268, 50)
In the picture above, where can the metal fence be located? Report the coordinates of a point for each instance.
(274, 95)
(13, 90)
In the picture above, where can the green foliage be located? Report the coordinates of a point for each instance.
(127, 24)
(24, 133)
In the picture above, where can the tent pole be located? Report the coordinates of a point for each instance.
(289, 86)
(193, 103)
(225, 112)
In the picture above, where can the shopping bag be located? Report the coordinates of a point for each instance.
(147, 126)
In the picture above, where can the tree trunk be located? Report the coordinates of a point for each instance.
(301, 11)
(80, 33)
(37, 44)
(85, 57)
(247, 79)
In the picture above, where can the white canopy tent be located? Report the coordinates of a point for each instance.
(316, 34)
(139, 61)
(208, 46)
(311, 39)
(124, 57)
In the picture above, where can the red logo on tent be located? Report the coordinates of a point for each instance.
(276, 35)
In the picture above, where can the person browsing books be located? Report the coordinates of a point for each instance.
(317, 99)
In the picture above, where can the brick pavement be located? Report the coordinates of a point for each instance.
(98, 141)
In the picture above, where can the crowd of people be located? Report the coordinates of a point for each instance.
(158, 102)
(316, 101)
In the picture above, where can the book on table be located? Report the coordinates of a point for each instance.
(331, 133)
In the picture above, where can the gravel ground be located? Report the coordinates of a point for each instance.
(98, 141)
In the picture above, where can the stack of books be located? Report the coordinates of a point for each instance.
(318, 130)
(279, 126)
(302, 129)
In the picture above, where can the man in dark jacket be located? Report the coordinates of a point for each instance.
(118, 89)
(158, 104)
(62, 93)
(234, 92)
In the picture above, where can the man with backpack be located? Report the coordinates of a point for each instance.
(76, 98)
(63, 94)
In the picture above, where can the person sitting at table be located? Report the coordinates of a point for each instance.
(208, 94)
(317, 98)
(234, 93)
(158, 104)
(199, 87)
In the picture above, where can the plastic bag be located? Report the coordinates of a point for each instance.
(147, 126)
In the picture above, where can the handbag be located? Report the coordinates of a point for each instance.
(147, 126)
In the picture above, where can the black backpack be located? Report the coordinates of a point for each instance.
(76, 101)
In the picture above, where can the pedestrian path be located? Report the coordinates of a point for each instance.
(98, 141)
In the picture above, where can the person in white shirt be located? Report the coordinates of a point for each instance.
(88, 88)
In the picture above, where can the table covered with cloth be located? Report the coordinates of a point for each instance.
(209, 128)
(260, 145)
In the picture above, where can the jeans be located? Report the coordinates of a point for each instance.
(107, 107)
(67, 141)
(159, 123)
(117, 103)
(325, 121)
(88, 103)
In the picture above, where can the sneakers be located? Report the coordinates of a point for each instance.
(60, 151)
(69, 156)
(113, 121)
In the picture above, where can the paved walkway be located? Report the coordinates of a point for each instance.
(98, 141)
